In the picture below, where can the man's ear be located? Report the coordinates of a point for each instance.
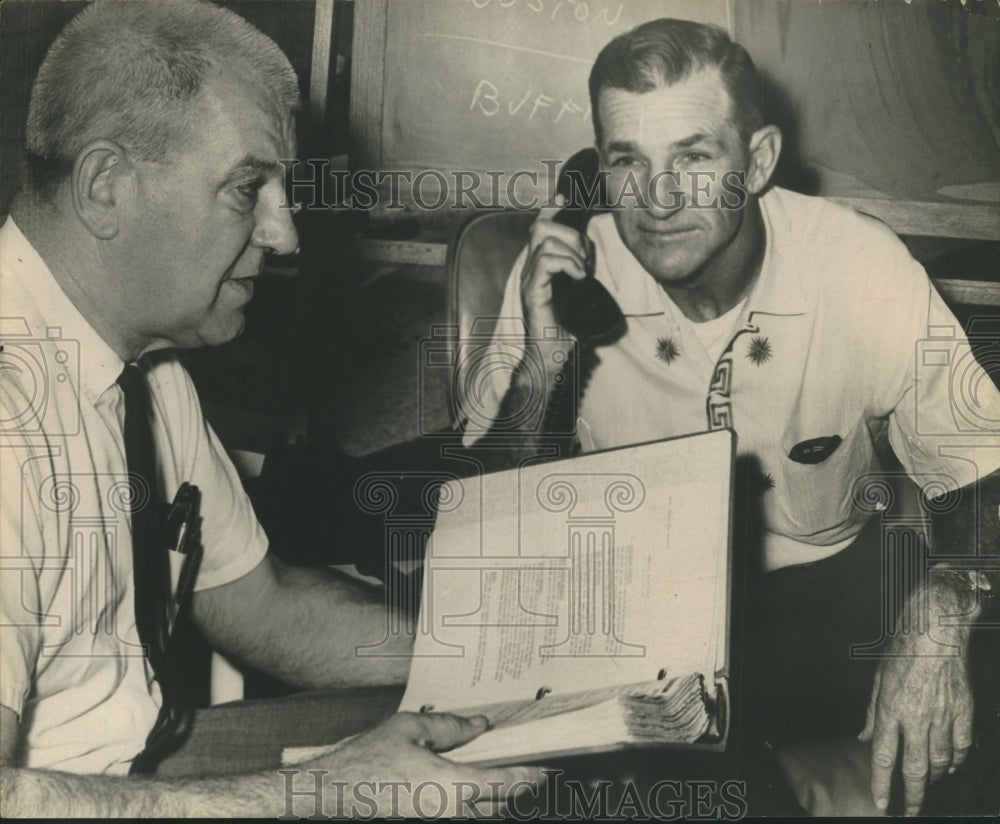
(765, 148)
(97, 186)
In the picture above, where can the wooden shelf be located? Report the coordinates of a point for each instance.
(971, 221)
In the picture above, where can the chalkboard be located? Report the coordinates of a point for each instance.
(501, 84)
(877, 99)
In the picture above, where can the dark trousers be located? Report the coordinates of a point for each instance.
(810, 639)
(248, 736)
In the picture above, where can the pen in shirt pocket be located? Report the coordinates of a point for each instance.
(184, 544)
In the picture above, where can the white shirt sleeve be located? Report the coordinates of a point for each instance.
(21, 551)
(944, 424)
(233, 538)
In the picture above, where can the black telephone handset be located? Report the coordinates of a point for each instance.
(584, 308)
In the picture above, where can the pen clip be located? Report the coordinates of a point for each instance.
(182, 516)
(184, 539)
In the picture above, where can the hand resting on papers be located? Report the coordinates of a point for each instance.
(413, 780)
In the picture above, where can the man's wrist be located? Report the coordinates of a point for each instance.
(981, 583)
(954, 597)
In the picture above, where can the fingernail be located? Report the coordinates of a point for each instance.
(882, 803)
(912, 811)
(480, 722)
(951, 770)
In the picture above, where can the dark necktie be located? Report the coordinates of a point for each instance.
(150, 562)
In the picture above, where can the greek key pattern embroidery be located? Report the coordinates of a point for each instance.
(720, 415)
(720, 409)
(722, 378)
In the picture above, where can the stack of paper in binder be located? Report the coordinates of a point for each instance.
(582, 605)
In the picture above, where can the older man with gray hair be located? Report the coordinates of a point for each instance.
(153, 194)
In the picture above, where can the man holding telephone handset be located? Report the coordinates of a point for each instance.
(794, 322)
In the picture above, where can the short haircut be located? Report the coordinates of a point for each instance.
(666, 51)
(131, 71)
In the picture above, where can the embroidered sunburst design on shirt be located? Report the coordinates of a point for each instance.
(667, 351)
(759, 350)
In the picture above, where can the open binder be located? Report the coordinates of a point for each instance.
(583, 605)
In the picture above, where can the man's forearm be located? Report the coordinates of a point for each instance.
(34, 793)
(946, 605)
(972, 528)
(951, 598)
(305, 626)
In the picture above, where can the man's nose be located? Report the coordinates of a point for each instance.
(275, 229)
(665, 192)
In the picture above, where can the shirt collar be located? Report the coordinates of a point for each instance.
(34, 294)
(778, 291)
(779, 288)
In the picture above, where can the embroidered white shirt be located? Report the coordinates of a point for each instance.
(842, 333)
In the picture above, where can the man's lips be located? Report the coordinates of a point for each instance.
(249, 271)
(244, 283)
(667, 232)
(246, 280)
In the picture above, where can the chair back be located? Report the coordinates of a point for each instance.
(480, 258)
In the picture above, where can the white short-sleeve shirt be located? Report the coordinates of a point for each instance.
(842, 333)
(70, 661)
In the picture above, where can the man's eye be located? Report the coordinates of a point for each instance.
(695, 157)
(624, 161)
(249, 190)
(247, 194)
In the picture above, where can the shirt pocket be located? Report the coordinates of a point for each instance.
(817, 470)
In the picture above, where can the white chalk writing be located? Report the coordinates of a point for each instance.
(527, 103)
(582, 11)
